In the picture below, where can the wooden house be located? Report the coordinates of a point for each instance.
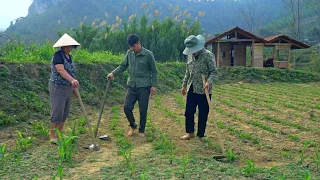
(238, 47)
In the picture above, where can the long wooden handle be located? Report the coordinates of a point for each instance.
(211, 114)
(102, 108)
(85, 113)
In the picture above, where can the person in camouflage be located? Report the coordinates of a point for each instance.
(200, 62)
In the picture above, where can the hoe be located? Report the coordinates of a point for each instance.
(92, 146)
(104, 137)
(215, 124)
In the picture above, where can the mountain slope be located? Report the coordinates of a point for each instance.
(46, 17)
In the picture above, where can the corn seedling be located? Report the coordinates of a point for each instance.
(231, 156)
(82, 126)
(143, 175)
(131, 168)
(65, 147)
(60, 171)
(303, 157)
(314, 119)
(316, 158)
(257, 123)
(23, 143)
(276, 170)
(282, 177)
(249, 169)
(115, 117)
(184, 165)
(259, 115)
(40, 129)
(121, 140)
(211, 144)
(127, 155)
(151, 129)
(73, 132)
(172, 152)
(3, 155)
(162, 145)
(307, 175)
(239, 133)
(294, 137)
(262, 116)
(150, 133)
(310, 143)
(17, 155)
(286, 154)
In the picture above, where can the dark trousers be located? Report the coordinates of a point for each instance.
(142, 95)
(194, 100)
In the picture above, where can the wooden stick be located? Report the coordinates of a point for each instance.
(211, 115)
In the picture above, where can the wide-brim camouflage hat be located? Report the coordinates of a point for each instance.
(193, 44)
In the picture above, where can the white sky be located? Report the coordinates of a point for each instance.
(12, 9)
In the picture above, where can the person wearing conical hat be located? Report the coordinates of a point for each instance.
(200, 62)
(62, 83)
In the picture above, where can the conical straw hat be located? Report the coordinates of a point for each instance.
(66, 40)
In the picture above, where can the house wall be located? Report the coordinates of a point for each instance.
(224, 59)
(240, 54)
(257, 57)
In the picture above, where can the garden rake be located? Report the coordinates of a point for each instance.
(92, 146)
(215, 124)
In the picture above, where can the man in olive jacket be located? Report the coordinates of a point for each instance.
(141, 83)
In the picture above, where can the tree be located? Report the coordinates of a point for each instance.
(315, 6)
(295, 8)
(315, 31)
(251, 15)
(314, 34)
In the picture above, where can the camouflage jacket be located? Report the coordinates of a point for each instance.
(204, 64)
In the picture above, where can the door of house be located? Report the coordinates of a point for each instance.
(239, 54)
(231, 54)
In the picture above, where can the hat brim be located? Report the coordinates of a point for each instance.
(66, 40)
(197, 47)
(60, 46)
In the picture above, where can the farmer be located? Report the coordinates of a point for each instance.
(200, 62)
(62, 83)
(142, 81)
